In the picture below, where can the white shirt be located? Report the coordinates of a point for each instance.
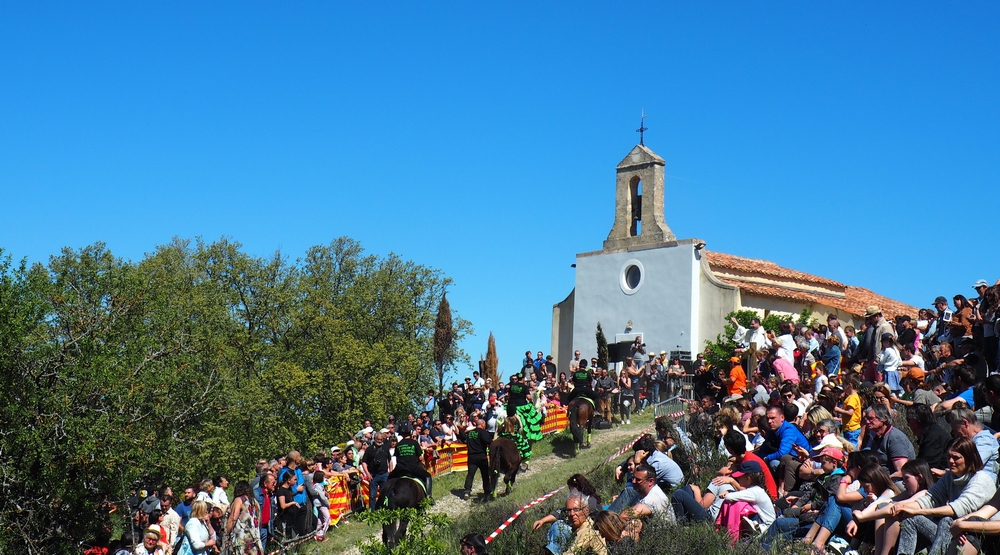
(786, 348)
(758, 497)
(220, 498)
(656, 501)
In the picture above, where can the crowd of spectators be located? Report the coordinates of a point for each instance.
(836, 437)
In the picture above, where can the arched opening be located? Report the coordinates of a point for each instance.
(635, 201)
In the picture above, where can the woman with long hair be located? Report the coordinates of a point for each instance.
(962, 490)
(889, 363)
(960, 325)
(917, 478)
(243, 522)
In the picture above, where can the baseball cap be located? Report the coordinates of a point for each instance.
(940, 300)
(832, 452)
(335, 449)
(747, 467)
(980, 283)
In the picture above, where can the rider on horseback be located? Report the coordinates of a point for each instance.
(518, 403)
(408, 463)
(581, 378)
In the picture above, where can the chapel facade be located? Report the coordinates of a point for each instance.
(674, 292)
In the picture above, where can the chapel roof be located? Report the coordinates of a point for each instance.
(796, 286)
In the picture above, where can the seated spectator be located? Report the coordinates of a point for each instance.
(779, 440)
(576, 534)
(751, 502)
(645, 496)
(891, 444)
(961, 491)
(577, 483)
(932, 438)
(917, 478)
(690, 503)
(963, 380)
(741, 455)
(964, 423)
(621, 534)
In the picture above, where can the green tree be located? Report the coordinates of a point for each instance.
(194, 361)
(602, 348)
(491, 364)
(444, 336)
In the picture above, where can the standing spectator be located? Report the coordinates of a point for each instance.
(321, 501)
(960, 326)
(478, 441)
(375, 467)
(199, 533)
(831, 357)
(737, 380)
(602, 388)
(243, 524)
(171, 522)
(265, 500)
(889, 363)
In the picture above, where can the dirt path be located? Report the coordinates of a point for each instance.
(453, 506)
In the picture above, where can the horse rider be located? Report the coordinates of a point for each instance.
(408, 463)
(518, 403)
(581, 378)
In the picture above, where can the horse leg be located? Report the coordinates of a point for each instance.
(401, 530)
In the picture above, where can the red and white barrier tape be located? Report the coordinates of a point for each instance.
(520, 511)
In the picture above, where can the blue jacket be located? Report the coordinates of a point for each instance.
(779, 443)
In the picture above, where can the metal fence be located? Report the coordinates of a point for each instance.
(672, 406)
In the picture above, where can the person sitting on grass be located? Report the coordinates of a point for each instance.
(961, 491)
(917, 477)
(751, 503)
(576, 534)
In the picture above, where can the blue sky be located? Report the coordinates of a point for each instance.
(856, 141)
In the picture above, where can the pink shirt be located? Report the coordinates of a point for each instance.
(785, 370)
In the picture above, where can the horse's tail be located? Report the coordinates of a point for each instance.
(574, 426)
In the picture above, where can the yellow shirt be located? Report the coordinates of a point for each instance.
(854, 421)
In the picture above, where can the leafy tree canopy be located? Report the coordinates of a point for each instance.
(193, 362)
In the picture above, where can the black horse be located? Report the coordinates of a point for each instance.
(398, 493)
(504, 459)
(581, 415)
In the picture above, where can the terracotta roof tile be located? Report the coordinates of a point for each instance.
(855, 301)
(764, 267)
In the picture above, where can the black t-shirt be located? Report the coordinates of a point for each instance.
(907, 337)
(287, 495)
(477, 441)
(408, 454)
(517, 394)
(581, 377)
(377, 459)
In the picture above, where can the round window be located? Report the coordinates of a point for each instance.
(632, 276)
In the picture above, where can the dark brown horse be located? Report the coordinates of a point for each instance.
(504, 459)
(581, 416)
(398, 493)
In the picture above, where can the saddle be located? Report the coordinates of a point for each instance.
(589, 400)
(423, 486)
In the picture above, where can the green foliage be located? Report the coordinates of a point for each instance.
(195, 361)
(425, 535)
(806, 318)
(602, 348)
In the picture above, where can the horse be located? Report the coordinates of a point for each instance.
(581, 415)
(504, 459)
(398, 493)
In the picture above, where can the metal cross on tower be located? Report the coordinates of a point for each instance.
(642, 127)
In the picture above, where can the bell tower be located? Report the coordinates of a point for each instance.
(639, 202)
